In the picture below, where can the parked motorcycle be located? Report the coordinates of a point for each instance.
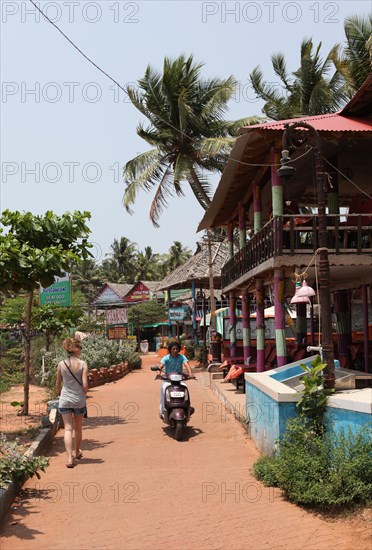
(177, 408)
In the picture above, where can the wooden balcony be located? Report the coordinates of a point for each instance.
(296, 234)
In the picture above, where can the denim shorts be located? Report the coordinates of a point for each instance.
(77, 412)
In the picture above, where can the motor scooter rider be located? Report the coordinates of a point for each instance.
(173, 362)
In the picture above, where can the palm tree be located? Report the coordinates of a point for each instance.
(355, 61)
(87, 278)
(146, 265)
(307, 91)
(124, 253)
(178, 255)
(109, 271)
(187, 133)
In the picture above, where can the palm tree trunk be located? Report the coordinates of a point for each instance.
(27, 353)
(198, 190)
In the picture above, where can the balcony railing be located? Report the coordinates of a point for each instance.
(296, 234)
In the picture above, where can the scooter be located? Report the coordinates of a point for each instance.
(177, 409)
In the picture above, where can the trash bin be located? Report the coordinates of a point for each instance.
(144, 346)
(216, 352)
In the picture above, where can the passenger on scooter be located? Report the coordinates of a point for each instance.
(173, 362)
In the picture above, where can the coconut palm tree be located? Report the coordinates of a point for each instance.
(187, 132)
(307, 91)
(86, 277)
(178, 255)
(124, 253)
(146, 264)
(354, 62)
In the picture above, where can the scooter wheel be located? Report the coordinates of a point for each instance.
(179, 429)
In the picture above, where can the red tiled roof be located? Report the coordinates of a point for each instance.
(324, 123)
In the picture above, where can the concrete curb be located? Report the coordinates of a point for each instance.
(234, 403)
(37, 448)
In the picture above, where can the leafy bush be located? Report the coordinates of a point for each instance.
(190, 348)
(12, 368)
(265, 470)
(15, 466)
(322, 471)
(98, 352)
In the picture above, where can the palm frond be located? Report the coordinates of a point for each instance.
(163, 192)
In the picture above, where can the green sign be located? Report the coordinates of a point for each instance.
(59, 293)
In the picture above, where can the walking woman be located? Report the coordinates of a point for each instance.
(72, 401)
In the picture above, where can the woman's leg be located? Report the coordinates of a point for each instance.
(78, 433)
(68, 421)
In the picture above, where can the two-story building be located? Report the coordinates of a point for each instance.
(277, 223)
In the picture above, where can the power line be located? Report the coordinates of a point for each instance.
(76, 47)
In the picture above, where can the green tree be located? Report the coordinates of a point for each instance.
(354, 62)
(13, 310)
(187, 132)
(178, 255)
(124, 253)
(145, 268)
(307, 91)
(52, 320)
(87, 278)
(147, 312)
(35, 250)
(109, 271)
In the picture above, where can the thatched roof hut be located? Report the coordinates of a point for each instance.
(197, 268)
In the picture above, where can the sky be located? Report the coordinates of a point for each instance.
(67, 130)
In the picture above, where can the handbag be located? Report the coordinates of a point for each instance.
(78, 381)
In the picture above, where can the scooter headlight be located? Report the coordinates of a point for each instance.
(175, 377)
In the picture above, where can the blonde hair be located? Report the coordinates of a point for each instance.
(70, 344)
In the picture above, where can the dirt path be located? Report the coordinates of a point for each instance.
(137, 487)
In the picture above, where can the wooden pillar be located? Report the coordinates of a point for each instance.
(342, 304)
(367, 366)
(260, 325)
(194, 324)
(242, 229)
(230, 239)
(169, 319)
(301, 324)
(281, 349)
(232, 304)
(276, 185)
(333, 198)
(257, 208)
(246, 326)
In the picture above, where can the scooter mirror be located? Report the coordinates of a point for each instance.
(155, 367)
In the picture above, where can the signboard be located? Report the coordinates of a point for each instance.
(178, 313)
(116, 316)
(140, 293)
(117, 333)
(59, 293)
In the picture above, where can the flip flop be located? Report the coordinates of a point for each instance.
(79, 456)
(72, 465)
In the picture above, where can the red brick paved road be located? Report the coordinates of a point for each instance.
(137, 487)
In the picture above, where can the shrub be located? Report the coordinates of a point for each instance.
(98, 352)
(15, 466)
(265, 470)
(190, 349)
(321, 471)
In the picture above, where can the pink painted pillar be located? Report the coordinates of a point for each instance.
(246, 326)
(260, 325)
(281, 349)
(232, 304)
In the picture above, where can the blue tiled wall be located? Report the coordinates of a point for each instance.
(268, 418)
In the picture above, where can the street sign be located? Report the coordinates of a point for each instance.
(116, 316)
(58, 293)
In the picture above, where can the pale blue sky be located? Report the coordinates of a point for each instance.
(76, 131)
